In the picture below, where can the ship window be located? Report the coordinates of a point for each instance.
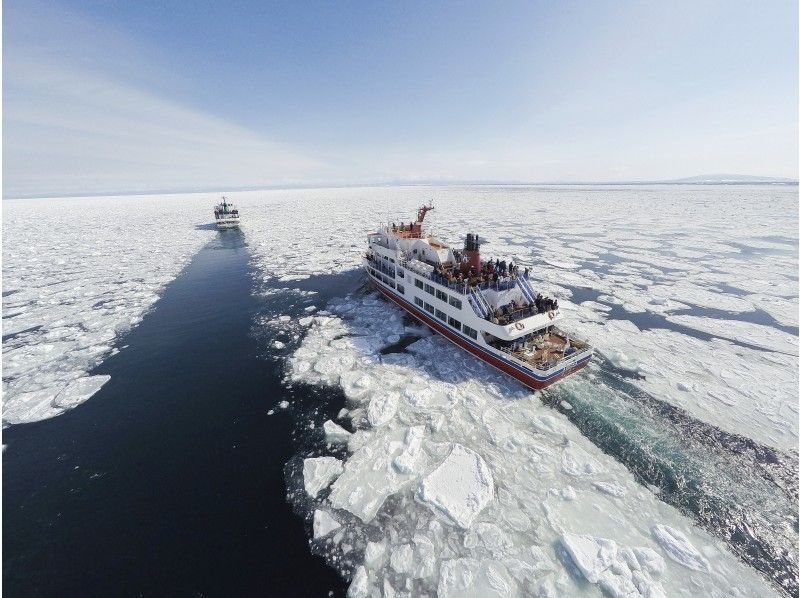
(400, 274)
(455, 302)
(418, 301)
(429, 307)
(429, 289)
(454, 323)
(441, 315)
(401, 288)
(418, 283)
(470, 332)
(441, 295)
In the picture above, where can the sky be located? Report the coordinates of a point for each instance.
(117, 96)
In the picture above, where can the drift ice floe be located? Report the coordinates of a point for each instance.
(485, 307)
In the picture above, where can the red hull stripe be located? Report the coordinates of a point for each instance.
(528, 379)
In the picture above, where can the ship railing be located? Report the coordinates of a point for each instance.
(549, 365)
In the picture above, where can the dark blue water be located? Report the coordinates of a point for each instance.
(170, 480)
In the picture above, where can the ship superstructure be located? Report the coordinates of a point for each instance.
(486, 307)
(226, 214)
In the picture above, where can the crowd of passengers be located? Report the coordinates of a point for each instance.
(496, 271)
(492, 271)
(219, 212)
(517, 310)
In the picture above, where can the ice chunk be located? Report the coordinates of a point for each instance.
(334, 432)
(319, 472)
(402, 559)
(374, 554)
(679, 548)
(369, 475)
(324, 524)
(79, 390)
(459, 488)
(620, 574)
(405, 461)
(611, 488)
(359, 587)
(382, 408)
(471, 578)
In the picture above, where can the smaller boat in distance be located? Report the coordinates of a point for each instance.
(226, 214)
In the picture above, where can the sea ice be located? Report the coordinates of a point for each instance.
(334, 432)
(319, 472)
(73, 286)
(459, 488)
(620, 574)
(473, 538)
(679, 548)
(680, 245)
(324, 524)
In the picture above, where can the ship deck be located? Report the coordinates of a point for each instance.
(545, 350)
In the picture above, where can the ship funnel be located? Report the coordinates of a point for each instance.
(472, 252)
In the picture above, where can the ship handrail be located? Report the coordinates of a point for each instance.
(547, 366)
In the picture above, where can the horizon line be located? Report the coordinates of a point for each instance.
(696, 180)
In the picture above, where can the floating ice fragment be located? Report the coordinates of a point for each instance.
(611, 488)
(374, 554)
(678, 548)
(470, 578)
(324, 524)
(278, 345)
(319, 472)
(618, 573)
(405, 461)
(305, 321)
(402, 559)
(283, 404)
(359, 587)
(79, 390)
(334, 432)
(459, 488)
(382, 408)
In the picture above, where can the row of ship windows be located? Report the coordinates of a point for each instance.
(471, 332)
(439, 294)
(387, 280)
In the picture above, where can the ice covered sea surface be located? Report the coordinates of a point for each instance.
(457, 481)
(77, 274)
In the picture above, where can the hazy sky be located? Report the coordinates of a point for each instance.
(125, 96)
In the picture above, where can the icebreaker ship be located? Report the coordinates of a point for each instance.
(486, 307)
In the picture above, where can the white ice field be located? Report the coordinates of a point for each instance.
(78, 273)
(457, 480)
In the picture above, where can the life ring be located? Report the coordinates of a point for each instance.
(551, 314)
(519, 326)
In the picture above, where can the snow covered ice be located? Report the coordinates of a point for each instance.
(645, 290)
(459, 488)
(78, 273)
(693, 300)
(528, 482)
